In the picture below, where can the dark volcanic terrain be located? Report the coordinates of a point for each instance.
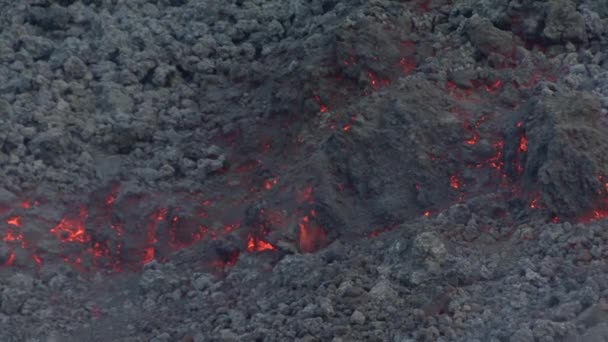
(303, 170)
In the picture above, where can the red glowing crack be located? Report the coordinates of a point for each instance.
(72, 229)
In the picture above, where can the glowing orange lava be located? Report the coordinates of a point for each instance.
(14, 221)
(148, 255)
(72, 229)
(311, 236)
(258, 245)
(474, 139)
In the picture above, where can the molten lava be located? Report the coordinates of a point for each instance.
(258, 245)
(72, 229)
(14, 221)
(311, 236)
(473, 140)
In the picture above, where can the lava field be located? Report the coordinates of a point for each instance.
(303, 170)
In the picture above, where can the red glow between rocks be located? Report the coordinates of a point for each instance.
(270, 183)
(322, 107)
(72, 229)
(426, 214)
(534, 204)
(258, 245)
(594, 215)
(26, 204)
(473, 140)
(148, 255)
(311, 236)
(374, 82)
(14, 221)
(523, 144)
(454, 182)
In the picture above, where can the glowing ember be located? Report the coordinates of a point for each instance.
(454, 183)
(347, 127)
(523, 144)
(110, 200)
(375, 82)
(427, 214)
(269, 183)
(72, 229)
(534, 203)
(14, 221)
(10, 236)
(322, 108)
(26, 204)
(474, 139)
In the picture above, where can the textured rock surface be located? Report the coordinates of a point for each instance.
(324, 170)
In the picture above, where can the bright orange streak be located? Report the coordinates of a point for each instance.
(14, 221)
